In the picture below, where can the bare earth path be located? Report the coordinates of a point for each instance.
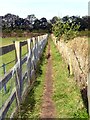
(47, 108)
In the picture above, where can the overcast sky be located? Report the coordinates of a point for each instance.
(44, 8)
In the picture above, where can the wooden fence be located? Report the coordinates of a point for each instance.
(35, 48)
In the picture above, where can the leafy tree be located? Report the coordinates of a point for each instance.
(70, 31)
(65, 30)
(66, 19)
(77, 20)
(43, 23)
(36, 24)
(58, 29)
(54, 19)
(49, 27)
(31, 18)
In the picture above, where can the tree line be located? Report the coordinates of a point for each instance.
(14, 23)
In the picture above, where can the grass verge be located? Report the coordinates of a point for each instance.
(67, 97)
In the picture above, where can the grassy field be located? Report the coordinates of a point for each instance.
(9, 40)
(67, 96)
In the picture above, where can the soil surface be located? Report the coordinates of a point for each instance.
(47, 108)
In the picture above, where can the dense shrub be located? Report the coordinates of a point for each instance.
(65, 30)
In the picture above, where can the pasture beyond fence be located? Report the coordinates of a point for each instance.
(35, 47)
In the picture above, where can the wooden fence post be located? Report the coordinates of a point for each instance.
(34, 45)
(38, 47)
(18, 73)
(35, 52)
(29, 61)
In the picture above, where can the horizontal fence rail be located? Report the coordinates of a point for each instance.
(35, 47)
(9, 48)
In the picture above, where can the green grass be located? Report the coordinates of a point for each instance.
(9, 40)
(67, 97)
(31, 107)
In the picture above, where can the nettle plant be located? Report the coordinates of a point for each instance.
(65, 30)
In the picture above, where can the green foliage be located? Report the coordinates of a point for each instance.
(70, 31)
(58, 29)
(65, 30)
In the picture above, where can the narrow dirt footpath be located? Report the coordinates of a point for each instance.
(48, 109)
